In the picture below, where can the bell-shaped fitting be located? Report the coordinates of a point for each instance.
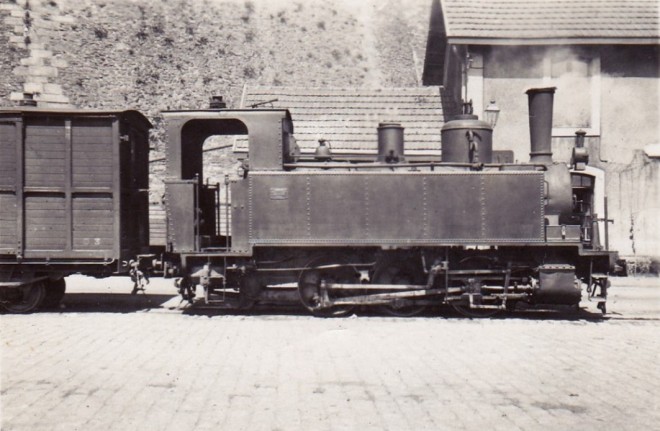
(323, 153)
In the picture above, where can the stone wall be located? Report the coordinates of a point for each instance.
(30, 27)
(174, 54)
(11, 16)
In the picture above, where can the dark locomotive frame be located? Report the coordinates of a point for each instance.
(478, 235)
(396, 235)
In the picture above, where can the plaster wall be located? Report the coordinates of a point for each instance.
(634, 194)
(630, 88)
(627, 107)
(630, 112)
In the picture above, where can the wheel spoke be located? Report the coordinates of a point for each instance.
(397, 273)
(309, 288)
(28, 298)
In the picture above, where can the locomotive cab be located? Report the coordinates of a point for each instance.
(196, 220)
(588, 203)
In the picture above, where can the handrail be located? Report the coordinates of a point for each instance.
(372, 165)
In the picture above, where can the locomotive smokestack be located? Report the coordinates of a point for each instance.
(540, 124)
(390, 143)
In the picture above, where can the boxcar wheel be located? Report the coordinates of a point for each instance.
(54, 293)
(27, 298)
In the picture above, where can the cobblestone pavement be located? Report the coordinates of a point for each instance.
(112, 361)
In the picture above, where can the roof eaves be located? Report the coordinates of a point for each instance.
(444, 17)
(463, 40)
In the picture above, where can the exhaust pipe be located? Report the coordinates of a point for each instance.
(540, 124)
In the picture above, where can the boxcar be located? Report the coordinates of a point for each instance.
(73, 198)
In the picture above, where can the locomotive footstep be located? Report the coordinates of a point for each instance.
(466, 311)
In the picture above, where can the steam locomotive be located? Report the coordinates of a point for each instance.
(399, 236)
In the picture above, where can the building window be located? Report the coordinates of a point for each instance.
(577, 100)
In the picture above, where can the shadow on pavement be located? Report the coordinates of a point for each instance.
(108, 303)
(125, 303)
(439, 312)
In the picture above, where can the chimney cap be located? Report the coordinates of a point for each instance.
(541, 90)
(216, 102)
(28, 100)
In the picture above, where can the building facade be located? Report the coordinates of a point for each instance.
(601, 55)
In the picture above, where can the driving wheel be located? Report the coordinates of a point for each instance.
(309, 287)
(393, 273)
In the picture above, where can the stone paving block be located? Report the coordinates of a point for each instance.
(181, 372)
(59, 62)
(57, 105)
(47, 71)
(33, 87)
(32, 61)
(18, 40)
(64, 19)
(40, 53)
(15, 96)
(52, 98)
(39, 79)
(21, 70)
(14, 20)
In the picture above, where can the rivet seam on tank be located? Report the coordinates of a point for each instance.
(482, 199)
(366, 205)
(250, 191)
(425, 215)
(308, 193)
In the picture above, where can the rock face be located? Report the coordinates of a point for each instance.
(174, 54)
(35, 69)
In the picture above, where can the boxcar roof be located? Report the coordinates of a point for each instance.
(132, 114)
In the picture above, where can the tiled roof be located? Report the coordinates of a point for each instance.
(349, 117)
(561, 20)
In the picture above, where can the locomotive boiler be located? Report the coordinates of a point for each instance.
(400, 236)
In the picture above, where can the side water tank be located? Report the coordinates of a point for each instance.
(467, 140)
